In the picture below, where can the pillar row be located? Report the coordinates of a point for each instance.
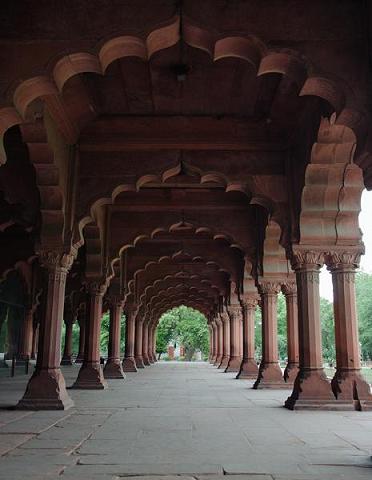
(145, 343)
(219, 342)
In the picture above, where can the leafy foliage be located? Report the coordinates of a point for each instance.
(185, 326)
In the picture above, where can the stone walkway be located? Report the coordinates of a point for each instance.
(180, 419)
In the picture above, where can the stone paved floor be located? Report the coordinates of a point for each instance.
(181, 419)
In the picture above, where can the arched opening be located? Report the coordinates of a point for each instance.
(182, 334)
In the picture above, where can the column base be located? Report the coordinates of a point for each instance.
(224, 362)
(79, 359)
(312, 391)
(113, 369)
(151, 359)
(218, 361)
(233, 365)
(139, 362)
(90, 377)
(46, 390)
(212, 360)
(349, 386)
(290, 373)
(248, 370)
(66, 360)
(129, 365)
(146, 361)
(270, 376)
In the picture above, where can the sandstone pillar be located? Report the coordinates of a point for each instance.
(291, 370)
(69, 323)
(348, 384)
(154, 342)
(46, 389)
(150, 347)
(145, 343)
(90, 374)
(113, 368)
(129, 364)
(248, 368)
(82, 323)
(27, 334)
(35, 339)
(138, 344)
(311, 387)
(269, 374)
(214, 345)
(226, 340)
(219, 343)
(235, 360)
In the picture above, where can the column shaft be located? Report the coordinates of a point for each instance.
(235, 359)
(129, 364)
(145, 343)
(270, 374)
(226, 341)
(113, 368)
(90, 374)
(138, 344)
(291, 370)
(67, 352)
(248, 367)
(82, 323)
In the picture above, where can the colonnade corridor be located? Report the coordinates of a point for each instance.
(180, 418)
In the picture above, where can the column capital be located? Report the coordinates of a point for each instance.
(235, 310)
(224, 317)
(307, 257)
(269, 287)
(289, 288)
(54, 259)
(96, 288)
(250, 301)
(344, 259)
(115, 301)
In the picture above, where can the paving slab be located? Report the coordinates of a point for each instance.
(174, 421)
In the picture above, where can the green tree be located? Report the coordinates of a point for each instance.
(185, 326)
(363, 285)
(328, 331)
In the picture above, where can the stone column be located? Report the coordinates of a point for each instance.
(90, 374)
(145, 343)
(35, 340)
(311, 387)
(129, 364)
(219, 342)
(138, 344)
(248, 367)
(235, 312)
(113, 368)
(270, 374)
(46, 389)
(348, 384)
(27, 334)
(82, 322)
(226, 340)
(67, 352)
(291, 370)
(213, 345)
(154, 342)
(149, 342)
